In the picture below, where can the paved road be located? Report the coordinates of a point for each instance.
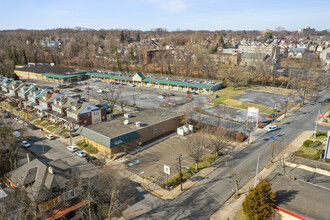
(201, 201)
(53, 149)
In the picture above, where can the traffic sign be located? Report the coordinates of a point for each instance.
(272, 137)
(167, 169)
(248, 131)
(286, 101)
(273, 114)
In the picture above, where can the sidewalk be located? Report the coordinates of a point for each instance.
(232, 206)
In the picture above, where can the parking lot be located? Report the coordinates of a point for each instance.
(268, 99)
(150, 162)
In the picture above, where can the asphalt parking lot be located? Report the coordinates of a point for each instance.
(150, 162)
(263, 98)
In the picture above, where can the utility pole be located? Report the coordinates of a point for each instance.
(273, 138)
(314, 135)
(286, 107)
(255, 180)
(224, 111)
(70, 138)
(179, 158)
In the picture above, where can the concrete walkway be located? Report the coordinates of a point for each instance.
(232, 206)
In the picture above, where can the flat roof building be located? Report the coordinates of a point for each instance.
(126, 133)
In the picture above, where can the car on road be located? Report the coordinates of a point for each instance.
(17, 118)
(72, 148)
(97, 80)
(87, 88)
(26, 144)
(20, 121)
(161, 96)
(50, 136)
(81, 154)
(273, 128)
(99, 91)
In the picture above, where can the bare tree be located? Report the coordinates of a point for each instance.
(218, 141)
(11, 142)
(196, 147)
(111, 95)
(236, 176)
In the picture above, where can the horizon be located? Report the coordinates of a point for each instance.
(172, 15)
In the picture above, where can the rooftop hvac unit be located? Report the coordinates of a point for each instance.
(126, 122)
(185, 129)
(191, 128)
(50, 170)
(139, 124)
(127, 115)
(180, 131)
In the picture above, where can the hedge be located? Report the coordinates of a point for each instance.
(308, 156)
(310, 143)
(321, 133)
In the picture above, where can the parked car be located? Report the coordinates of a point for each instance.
(26, 144)
(161, 97)
(50, 136)
(17, 118)
(273, 128)
(87, 88)
(76, 90)
(81, 154)
(99, 91)
(26, 123)
(195, 93)
(97, 80)
(72, 148)
(20, 121)
(90, 158)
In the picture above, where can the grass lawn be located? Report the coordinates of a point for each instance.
(53, 128)
(45, 124)
(87, 147)
(39, 121)
(227, 96)
(187, 173)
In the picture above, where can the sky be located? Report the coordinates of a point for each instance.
(168, 14)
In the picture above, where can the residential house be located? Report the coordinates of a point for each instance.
(45, 103)
(34, 96)
(325, 58)
(296, 52)
(23, 92)
(59, 107)
(13, 88)
(46, 186)
(83, 114)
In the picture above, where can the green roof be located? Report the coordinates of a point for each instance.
(140, 75)
(63, 76)
(163, 81)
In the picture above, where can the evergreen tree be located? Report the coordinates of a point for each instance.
(221, 42)
(122, 37)
(258, 203)
(138, 37)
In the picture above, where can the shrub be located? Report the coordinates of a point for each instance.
(321, 133)
(307, 143)
(314, 156)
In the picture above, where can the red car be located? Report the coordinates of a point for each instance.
(87, 88)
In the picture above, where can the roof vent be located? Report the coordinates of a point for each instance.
(127, 115)
(50, 170)
(126, 122)
(139, 124)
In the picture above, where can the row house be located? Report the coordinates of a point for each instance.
(4, 84)
(45, 103)
(13, 88)
(23, 93)
(34, 96)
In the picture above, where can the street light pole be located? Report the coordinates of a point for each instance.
(43, 143)
(70, 138)
(179, 158)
